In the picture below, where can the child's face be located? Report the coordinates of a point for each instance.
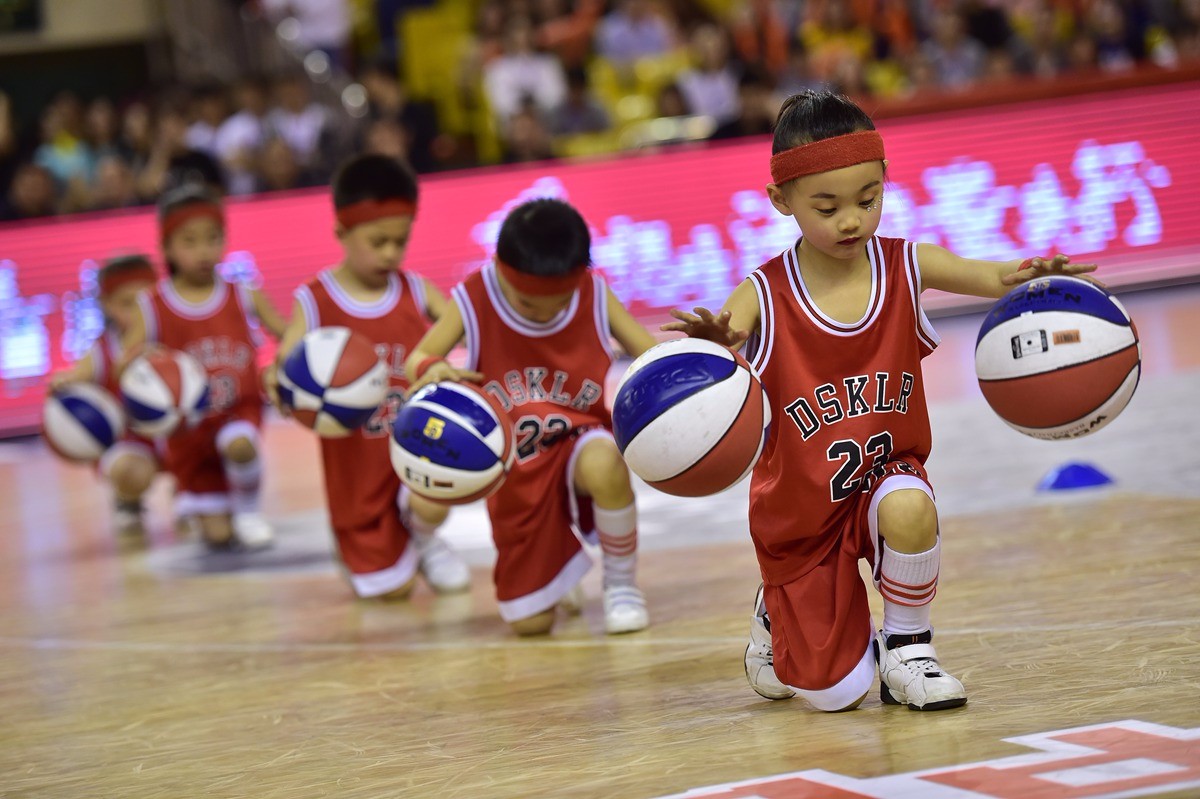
(120, 306)
(837, 211)
(375, 249)
(535, 307)
(195, 248)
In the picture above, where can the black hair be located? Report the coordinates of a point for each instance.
(181, 197)
(813, 115)
(544, 237)
(373, 177)
(130, 262)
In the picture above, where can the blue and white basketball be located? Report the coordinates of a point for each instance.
(81, 421)
(333, 381)
(163, 391)
(1057, 358)
(690, 417)
(452, 443)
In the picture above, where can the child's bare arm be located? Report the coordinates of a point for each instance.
(82, 371)
(268, 314)
(945, 271)
(435, 300)
(628, 332)
(427, 362)
(288, 339)
(738, 318)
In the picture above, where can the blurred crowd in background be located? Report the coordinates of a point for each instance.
(459, 84)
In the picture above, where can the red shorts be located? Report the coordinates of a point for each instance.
(535, 515)
(821, 628)
(193, 457)
(376, 555)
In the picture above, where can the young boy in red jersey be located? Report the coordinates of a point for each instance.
(217, 465)
(537, 324)
(385, 535)
(131, 463)
(838, 336)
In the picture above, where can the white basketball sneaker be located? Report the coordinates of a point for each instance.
(442, 567)
(624, 610)
(760, 657)
(910, 674)
(252, 531)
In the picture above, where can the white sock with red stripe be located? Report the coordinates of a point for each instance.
(245, 480)
(908, 583)
(618, 542)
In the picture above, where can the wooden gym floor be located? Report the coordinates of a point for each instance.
(165, 672)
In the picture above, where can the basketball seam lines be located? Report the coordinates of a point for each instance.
(1063, 368)
(749, 387)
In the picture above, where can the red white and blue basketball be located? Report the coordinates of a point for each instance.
(1057, 358)
(453, 443)
(163, 391)
(690, 417)
(81, 421)
(333, 381)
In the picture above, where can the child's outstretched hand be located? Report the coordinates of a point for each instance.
(1047, 267)
(440, 371)
(60, 380)
(270, 381)
(702, 324)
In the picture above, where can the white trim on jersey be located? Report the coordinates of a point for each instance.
(194, 310)
(470, 325)
(766, 322)
(514, 320)
(149, 317)
(416, 284)
(600, 306)
(395, 576)
(550, 594)
(308, 307)
(912, 269)
(875, 301)
(363, 310)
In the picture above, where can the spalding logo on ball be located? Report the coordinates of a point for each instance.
(333, 381)
(1058, 358)
(164, 390)
(452, 442)
(81, 421)
(690, 417)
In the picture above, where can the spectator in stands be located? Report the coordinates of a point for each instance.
(320, 25)
(240, 137)
(711, 87)
(137, 135)
(388, 101)
(670, 102)
(1043, 53)
(63, 151)
(300, 121)
(758, 107)
(10, 146)
(521, 74)
(31, 195)
(209, 111)
(528, 137)
(172, 163)
(114, 184)
(1108, 28)
(567, 32)
(386, 136)
(101, 129)
(635, 29)
(278, 168)
(579, 112)
(760, 36)
(831, 39)
(957, 60)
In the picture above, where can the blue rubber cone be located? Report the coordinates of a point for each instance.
(1073, 474)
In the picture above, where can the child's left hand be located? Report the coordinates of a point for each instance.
(1043, 267)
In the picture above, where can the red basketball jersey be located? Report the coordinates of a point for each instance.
(217, 332)
(549, 377)
(846, 399)
(360, 483)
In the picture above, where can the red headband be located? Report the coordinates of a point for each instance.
(181, 216)
(110, 283)
(360, 213)
(826, 155)
(542, 285)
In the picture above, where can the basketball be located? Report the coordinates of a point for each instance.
(1058, 358)
(333, 381)
(163, 390)
(690, 417)
(81, 421)
(452, 443)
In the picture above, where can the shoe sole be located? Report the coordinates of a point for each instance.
(885, 694)
(755, 688)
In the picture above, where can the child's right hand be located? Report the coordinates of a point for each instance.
(270, 382)
(60, 380)
(441, 371)
(702, 324)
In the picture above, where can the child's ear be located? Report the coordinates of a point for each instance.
(778, 199)
(338, 230)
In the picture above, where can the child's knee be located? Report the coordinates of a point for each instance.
(131, 475)
(908, 520)
(216, 529)
(538, 624)
(240, 450)
(428, 511)
(601, 474)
